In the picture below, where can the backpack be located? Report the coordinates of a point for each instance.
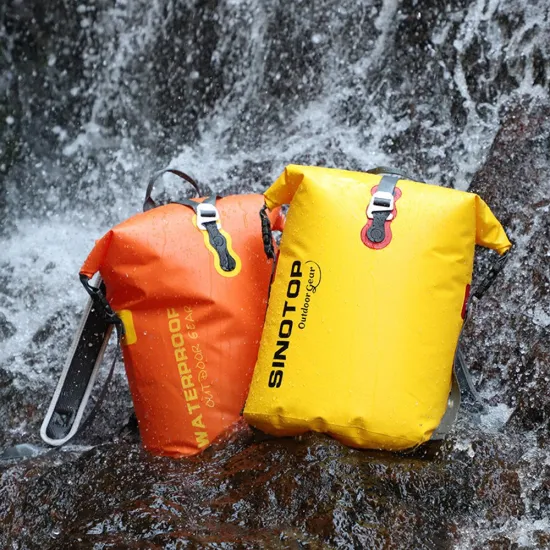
(367, 306)
(187, 283)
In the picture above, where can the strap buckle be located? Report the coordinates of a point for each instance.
(206, 213)
(382, 201)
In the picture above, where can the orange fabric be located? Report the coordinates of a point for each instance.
(192, 333)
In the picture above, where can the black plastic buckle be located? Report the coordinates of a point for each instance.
(100, 300)
(267, 237)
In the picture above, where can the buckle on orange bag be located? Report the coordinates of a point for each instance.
(206, 213)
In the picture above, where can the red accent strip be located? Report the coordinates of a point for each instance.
(465, 303)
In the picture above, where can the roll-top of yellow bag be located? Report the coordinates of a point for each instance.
(366, 306)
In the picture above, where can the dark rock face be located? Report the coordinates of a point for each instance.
(284, 493)
(7, 329)
(516, 180)
(95, 95)
(90, 91)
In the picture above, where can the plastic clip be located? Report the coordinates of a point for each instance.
(206, 213)
(381, 201)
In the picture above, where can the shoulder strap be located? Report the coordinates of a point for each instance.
(26, 450)
(451, 413)
(63, 420)
(462, 379)
(59, 428)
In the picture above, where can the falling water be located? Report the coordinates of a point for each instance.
(98, 94)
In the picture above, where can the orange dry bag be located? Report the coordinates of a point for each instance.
(189, 281)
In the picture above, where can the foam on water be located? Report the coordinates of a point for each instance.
(44, 259)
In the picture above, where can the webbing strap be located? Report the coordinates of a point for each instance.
(267, 236)
(149, 203)
(194, 205)
(60, 420)
(387, 185)
(381, 207)
(461, 374)
(380, 170)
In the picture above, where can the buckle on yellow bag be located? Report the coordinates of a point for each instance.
(381, 201)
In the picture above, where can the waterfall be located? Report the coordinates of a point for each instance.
(95, 95)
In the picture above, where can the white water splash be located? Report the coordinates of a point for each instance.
(44, 261)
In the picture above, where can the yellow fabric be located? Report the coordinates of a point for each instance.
(130, 335)
(359, 343)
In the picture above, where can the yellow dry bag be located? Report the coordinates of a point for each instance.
(366, 306)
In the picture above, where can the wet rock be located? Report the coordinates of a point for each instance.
(57, 324)
(7, 329)
(276, 493)
(513, 320)
(18, 407)
(100, 90)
